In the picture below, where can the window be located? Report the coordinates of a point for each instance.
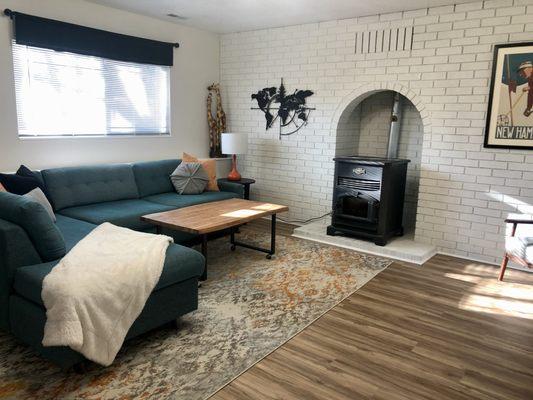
(66, 94)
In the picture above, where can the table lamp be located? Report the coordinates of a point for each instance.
(234, 143)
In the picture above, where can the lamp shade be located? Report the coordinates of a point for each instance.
(234, 143)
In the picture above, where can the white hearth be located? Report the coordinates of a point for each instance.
(401, 248)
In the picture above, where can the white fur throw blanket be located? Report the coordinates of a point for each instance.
(99, 288)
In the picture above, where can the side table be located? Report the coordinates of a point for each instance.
(246, 182)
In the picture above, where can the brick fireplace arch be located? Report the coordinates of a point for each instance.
(352, 100)
(345, 129)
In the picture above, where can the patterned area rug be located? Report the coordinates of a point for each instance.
(248, 307)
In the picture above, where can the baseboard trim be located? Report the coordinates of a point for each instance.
(510, 265)
(445, 253)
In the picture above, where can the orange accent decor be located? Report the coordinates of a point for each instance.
(234, 174)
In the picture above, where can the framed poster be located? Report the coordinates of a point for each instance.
(510, 112)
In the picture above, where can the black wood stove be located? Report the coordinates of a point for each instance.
(368, 197)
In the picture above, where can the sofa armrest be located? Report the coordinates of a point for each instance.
(16, 250)
(225, 186)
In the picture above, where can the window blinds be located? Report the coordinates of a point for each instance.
(66, 94)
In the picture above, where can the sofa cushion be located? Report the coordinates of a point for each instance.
(153, 177)
(184, 200)
(210, 166)
(78, 186)
(189, 178)
(126, 213)
(73, 230)
(38, 195)
(181, 263)
(35, 220)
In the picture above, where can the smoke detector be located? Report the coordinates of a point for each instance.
(172, 15)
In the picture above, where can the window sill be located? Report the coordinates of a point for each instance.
(30, 138)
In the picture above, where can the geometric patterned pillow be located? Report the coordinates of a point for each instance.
(189, 178)
(210, 166)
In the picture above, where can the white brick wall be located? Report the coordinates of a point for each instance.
(465, 190)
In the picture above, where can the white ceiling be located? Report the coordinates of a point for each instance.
(224, 16)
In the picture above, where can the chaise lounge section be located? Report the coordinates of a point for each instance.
(82, 198)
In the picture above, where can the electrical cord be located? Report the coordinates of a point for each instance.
(299, 221)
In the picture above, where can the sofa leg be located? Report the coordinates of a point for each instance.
(503, 267)
(80, 368)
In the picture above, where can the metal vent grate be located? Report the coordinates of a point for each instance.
(384, 40)
(359, 184)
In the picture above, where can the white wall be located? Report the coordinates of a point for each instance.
(465, 189)
(196, 65)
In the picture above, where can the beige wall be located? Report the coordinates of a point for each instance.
(196, 64)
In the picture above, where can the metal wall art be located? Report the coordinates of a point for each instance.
(289, 109)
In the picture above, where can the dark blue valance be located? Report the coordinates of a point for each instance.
(62, 36)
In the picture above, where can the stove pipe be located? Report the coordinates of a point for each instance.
(394, 130)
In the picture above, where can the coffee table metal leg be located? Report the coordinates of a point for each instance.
(272, 237)
(204, 252)
(270, 252)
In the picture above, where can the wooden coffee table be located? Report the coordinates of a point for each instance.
(206, 218)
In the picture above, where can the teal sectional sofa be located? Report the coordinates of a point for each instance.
(82, 198)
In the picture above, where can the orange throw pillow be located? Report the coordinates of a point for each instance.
(2, 188)
(210, 166)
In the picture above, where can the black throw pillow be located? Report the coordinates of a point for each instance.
(25, 171)
(22, 182)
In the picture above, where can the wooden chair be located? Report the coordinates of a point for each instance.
(518, 248)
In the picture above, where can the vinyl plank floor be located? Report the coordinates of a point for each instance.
(444, 330)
